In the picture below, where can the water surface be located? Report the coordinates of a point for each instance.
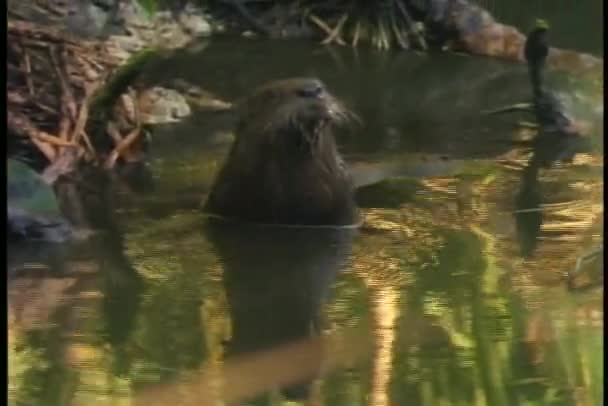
(453, 291)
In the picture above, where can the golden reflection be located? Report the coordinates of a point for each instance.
(436, 301)
(249, 375)
(385, 301)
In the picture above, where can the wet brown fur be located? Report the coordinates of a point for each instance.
(284, 166)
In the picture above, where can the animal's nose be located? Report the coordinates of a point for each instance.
(311, 90)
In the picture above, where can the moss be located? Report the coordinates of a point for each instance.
(390, 193)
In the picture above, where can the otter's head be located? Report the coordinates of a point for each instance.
(284, 166)
(293, 115)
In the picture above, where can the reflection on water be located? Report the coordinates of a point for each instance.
(453, 292)
(548, 149)
(276, 281)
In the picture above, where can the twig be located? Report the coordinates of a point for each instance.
(46, 108)
(42, 136)
(533, 210)
(15, 98)
(78, 131)
(526, 124)
(67, 97)
(17, 14)
(136, 110)
(413, 27)
(89, 144)
(383, 40)
(64, 127)
(320, 23)
(122, 146)
(128, 103)
(20, 124)
(28, 72)
(335, 33)
(30, 30)
(401, 39)
(590, 255)
(356, 34)
(509, 109)
(98, 63)
(47, 150)
(113, 132)
(89, 72)
(64, 164)
(83, 114)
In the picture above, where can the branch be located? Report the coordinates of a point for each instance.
(121, 147)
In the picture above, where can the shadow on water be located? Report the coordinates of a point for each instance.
(90, 204)
(59, 289)
(548, 149)
(277, 281)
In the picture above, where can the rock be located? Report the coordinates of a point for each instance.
(128, 44)
(83, 24)
(131, 14)
(199, 98)
(115, 47)
(22, 225)
(194, 22)
(171, 36)
(159, 105)
(26, 189)
(32, 208)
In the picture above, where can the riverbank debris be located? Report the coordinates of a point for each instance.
(53, 81)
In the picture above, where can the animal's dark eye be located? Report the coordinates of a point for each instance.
(311, 90)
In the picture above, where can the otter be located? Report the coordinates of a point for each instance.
(284, 166)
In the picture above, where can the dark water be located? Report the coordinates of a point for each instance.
(452, 293)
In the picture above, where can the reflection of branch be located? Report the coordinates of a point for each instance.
(250, 375)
